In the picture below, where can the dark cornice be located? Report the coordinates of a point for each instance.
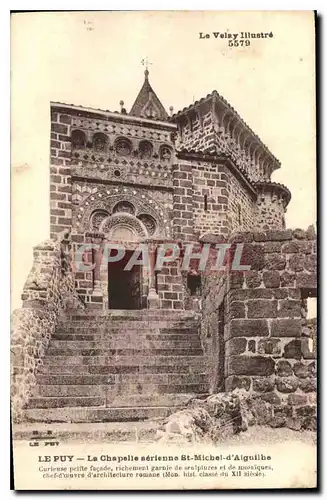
(274, 187)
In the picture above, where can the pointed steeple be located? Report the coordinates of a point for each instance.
(147, 104)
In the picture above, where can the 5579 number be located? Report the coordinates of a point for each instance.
(239, 43)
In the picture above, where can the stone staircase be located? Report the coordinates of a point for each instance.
(122, 366)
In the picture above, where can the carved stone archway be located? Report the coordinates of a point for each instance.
(127, 230)
(123, 227)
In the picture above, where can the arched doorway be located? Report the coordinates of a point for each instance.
(125, 286)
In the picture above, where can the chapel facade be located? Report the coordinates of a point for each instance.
(144, 176)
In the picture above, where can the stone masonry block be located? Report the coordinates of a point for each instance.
(263, 384)
(299, 234)
(287, 279)
(310, 263)
(286, 328)
(275, 261)
(287, 384)
(303, 370)
(269, 346)
(250, 365)
(293, 350)
(289, 308)
(305, 280)
(65, 119)
(271, 397)
(234, 382)
(262, 308)
(297, 399)
(236, 279)
(59, 128)
(271, 279)
(253, 279)
(248, 328)
(237, 309)
(272, 247)
(253, 255)
(235, 345)
(308, 385)
(283, 368)
(296, 262)
(279, 235)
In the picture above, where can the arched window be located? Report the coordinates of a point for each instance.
(145, 149)
(97, 217)
(149, 223)
(124, 206)
(99, 141)
(78, 139)
(123, 147)
(165, 153)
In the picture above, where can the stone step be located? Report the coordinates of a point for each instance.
(71, 351)
(60, 402)
(132, 381)
(155, 341)
(112, 391)
(137, 314)
(128, 325)
(124, 400)
(120, 370)
(93, 328)
(136, 360)
(96, 414)
(155, 334)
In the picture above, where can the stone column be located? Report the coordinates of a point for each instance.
(97, 290)
(153, 297)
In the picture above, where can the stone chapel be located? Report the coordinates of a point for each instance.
(146, 176)
(106, 344)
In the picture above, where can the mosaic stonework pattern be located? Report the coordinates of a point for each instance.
(93, 208)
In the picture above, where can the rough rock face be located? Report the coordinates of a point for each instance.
(209, 420)
(221, 415)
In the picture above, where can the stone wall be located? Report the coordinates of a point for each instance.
(267, 349)
(183, 228)
(241, 205)
(170, 286)
(48, 291)
(197, 133)
(60, 173)
(269, 212)
(210, 198)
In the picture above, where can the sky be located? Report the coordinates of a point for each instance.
(93, 59)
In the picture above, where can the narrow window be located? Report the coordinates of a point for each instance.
(205, 202)
(194, 284)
